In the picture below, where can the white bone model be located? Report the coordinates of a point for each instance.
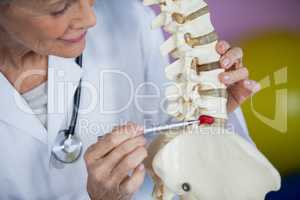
(204, 162)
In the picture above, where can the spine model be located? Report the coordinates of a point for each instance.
(197, 89)
(204, 162)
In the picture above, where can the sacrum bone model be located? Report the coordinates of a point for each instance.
(204, 162)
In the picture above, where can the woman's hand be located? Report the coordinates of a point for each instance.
(240, 88)
(110, 161)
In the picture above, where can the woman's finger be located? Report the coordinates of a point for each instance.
(240, 92)
(129, 163)
(112, 140)
(111, 160)
(252, 86)
(232, 77)
(222, 47)
(132, 184)
(231, 57)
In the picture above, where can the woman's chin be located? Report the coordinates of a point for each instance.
(70, 51)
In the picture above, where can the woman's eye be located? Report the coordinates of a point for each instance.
(62, 11)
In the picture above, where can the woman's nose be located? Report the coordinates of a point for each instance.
(85, 18)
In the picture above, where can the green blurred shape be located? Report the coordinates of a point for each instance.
(274, 59)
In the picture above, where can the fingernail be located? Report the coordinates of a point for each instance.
(256, 88)
(220, 47)
(226, 62)
(141, 167)
(247, 82)
(226, 78)
(252, 85)
(223, 47)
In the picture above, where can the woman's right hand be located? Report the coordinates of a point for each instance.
(111, 159)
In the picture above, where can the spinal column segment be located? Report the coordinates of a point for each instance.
(196, 89)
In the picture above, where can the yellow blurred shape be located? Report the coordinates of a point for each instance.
(274, 60)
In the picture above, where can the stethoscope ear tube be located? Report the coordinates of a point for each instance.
(68, 146)
(76, 102)
(76, 105)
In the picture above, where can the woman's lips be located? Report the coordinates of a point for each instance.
(75, 40)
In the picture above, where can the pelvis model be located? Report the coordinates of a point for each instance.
(206, 162)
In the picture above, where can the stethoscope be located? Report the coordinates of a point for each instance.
(68, 146)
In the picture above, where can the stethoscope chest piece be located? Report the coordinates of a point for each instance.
(67, 147)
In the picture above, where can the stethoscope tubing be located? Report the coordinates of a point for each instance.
(68, 146)
(76, 103)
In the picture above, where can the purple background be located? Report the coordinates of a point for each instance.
(235, 19)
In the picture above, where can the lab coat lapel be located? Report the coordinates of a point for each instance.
(63, 78)
(16, 112)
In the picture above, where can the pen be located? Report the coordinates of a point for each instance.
(203, 119)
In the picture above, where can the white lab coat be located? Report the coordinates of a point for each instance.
(122, 53)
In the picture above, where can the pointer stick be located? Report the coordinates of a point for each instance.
(203, 119)
(170, 126)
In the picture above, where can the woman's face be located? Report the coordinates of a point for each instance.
(47, 27)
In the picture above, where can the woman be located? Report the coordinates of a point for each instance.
(121, 80)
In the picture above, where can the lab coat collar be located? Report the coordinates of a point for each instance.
(63, 78)
(15, 111)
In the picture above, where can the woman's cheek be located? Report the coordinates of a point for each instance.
(45, 33)
(52, 28)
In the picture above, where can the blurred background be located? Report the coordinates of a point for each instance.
(269, 33)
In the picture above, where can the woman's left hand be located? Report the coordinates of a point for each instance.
(235, 77)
